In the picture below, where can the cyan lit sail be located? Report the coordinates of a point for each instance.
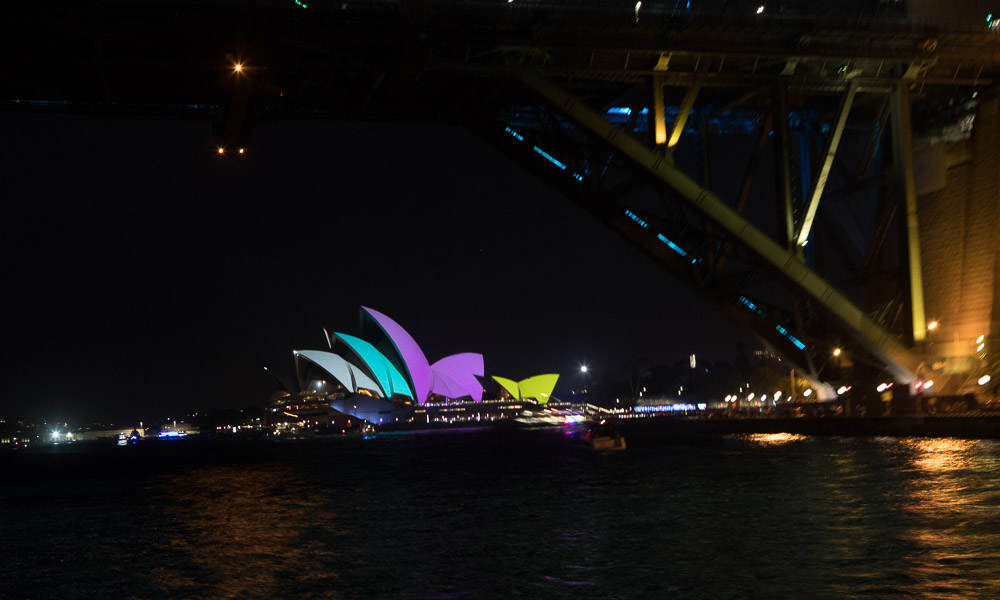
(390, 380)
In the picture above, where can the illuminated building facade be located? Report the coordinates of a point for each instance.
(381, 375)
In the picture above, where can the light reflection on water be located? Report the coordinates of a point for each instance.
(772, 439)
(236, 532)
(531, 515)
(952, 506)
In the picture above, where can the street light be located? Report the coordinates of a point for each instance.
(932, 325)
(238, 68)
(583, 368)
(837, 351)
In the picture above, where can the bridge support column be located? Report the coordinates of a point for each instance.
(783, 169)
(659, 119)
(902, 150)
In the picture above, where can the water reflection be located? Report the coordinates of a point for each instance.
(950, 505)
(772, 439)
(234, 532)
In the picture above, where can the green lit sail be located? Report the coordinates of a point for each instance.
(539, 388)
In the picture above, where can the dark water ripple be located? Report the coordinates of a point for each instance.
(494, 514)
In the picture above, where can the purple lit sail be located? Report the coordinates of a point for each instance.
(415, 362)
(455, 376)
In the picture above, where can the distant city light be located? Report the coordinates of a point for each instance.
(836, 351)
(238, 68)
(984, 379)
(242, 150)
(928, 384)
(777, 395)
(980, 339)
(693, 360)
(932, 325)
(980, 347)
(842, 390)
(807, 393)
(220, 150)
(750, 396)
(883, 386)
(583, 368)
(760, 9)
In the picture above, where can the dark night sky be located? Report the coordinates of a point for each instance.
(143, 277)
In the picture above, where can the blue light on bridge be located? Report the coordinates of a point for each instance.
(672, 245)
(578, 177)
(517, 136)
(636, 218)
(550, 158)
(620, 110)
(791, 338)
(748, 303)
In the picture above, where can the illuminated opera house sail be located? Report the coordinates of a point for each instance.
(379, 375)
(538, 388)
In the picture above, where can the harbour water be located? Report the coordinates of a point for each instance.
(490, 513)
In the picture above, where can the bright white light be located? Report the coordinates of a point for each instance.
(882, 387)
(842, 389)
(238, 68)
(242, 150)
(220, 150)
(836, 351)
(807, 393)
(980, 347)
(932, 325)
(984, 379)
(750, 397)
(583, 368)
(777, 395)
(928, 384)
(760, 9)
(980, 339)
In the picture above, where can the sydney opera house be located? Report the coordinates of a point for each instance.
(382, 375)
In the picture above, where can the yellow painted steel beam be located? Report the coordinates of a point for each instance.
(899, 360)
(659, 119)
(690, 95)
(829, 152)
(783, 170)
(902, 150)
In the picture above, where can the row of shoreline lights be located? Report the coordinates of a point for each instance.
(638, 5)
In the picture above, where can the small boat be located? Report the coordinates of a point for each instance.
(604, 437)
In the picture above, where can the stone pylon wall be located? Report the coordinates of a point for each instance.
(960, 242)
